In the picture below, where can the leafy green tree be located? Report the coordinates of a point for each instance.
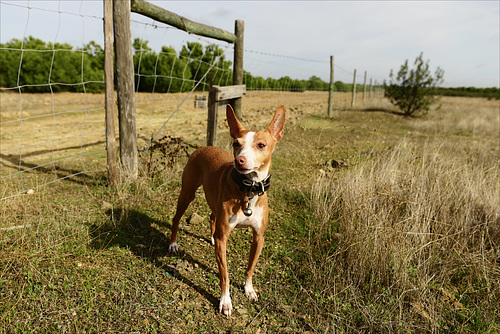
(340, 86)
(285, 83)
(140, 46)
(273, 84)
(174, 75)
(221, 71)
(162, 72)
(10, 56)
(144, 65)
(414, 90)
(93, 67)
(65, 68)
(298, 86)
(254, 83)
(200, 61)
(34, 64)
(315, 83)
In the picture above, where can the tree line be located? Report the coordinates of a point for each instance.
(489, 93)
(34, 64)
(40, 67)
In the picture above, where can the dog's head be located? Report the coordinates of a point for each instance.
(253, 149)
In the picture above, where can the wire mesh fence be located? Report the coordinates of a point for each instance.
(48, 135)
(52, 123)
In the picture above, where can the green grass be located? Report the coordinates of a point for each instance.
(91, 259)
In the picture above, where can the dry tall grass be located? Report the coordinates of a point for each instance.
(416, 228)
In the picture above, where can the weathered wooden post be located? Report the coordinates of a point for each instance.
(364, 88)
(213, 106)
(353, 89)
(371, 88)
(330, 96)
(109, 91)
(239, 31)
(125, 87)
(217, 96)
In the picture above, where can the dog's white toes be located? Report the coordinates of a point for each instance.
(227, 312)
(252, 295)
(225, 306)
(250, 291)
(173, 248)
(212, 241)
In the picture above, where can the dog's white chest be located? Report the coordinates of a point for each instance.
(254, 221)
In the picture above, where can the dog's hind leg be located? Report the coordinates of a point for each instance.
(212, 228)
(188, 192)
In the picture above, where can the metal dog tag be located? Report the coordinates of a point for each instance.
(247, 212)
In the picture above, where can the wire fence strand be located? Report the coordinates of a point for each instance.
(53, 128)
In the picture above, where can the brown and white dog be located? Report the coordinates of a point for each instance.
(235, 189)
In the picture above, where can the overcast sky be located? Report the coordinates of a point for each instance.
(462, 37)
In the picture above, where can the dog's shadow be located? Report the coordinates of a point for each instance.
(135, 231)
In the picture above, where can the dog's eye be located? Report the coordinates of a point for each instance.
(236, 144)
(261, 146)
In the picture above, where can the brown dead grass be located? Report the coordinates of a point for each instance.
(64, 133)
(414, 227)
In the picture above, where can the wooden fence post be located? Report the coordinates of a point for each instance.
(364, 88)
(332, 86)
(353, 89)
(125, 87)
(109, 91)
(371, 89)
(239, 31)
(213, 106)
(216, 96)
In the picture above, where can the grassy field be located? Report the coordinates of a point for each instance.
(378, 223)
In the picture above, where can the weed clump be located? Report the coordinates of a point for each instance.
(163, 154)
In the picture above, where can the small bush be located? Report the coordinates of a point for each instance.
(414, 90)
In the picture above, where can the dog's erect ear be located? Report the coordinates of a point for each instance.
(235, 126)
(276, 126)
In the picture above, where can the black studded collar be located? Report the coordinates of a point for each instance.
(248, 187)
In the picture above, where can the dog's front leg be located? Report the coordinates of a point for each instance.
(255, 250)
(220, 238)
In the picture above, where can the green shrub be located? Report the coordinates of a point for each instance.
(413, 90)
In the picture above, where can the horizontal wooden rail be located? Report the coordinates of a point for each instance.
(162, 15)
(216, 95)
(229, 92)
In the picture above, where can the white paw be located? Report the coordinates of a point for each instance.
(173, 248)
(250, 292)
(213, 241)
(225, 305)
